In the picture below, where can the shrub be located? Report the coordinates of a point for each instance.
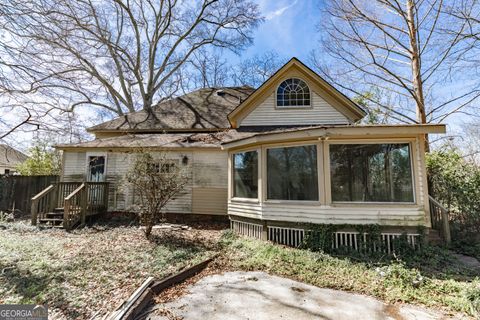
(455, 182)
(156, 181)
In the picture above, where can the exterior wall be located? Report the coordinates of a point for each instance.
(74, 166)
(326, 212)
(206, 192)
(320, 112)
(11, 169)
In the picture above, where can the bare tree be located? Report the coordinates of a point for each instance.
(256, 70)
(400, 48)
(114, 55)
(156, 181)
(208, 70)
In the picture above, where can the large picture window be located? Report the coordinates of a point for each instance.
(245, 174)
(371, 172)
(292, 173)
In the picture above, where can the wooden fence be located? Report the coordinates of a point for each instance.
(16, 192)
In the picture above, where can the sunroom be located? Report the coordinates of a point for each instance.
(282, 181)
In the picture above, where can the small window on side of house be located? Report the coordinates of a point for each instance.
(245, 174)
(166, 167)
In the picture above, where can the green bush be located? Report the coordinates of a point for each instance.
(455, 182)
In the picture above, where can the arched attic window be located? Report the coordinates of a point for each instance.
(293, 93)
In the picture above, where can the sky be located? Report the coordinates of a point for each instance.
(290, 29)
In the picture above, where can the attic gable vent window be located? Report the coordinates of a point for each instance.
(293, 93)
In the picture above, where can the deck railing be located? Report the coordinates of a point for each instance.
(74, 210)
(77, 199)
(43, 203)
(439, 219)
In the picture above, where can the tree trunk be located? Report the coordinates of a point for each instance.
(148, 230)
(417, 81)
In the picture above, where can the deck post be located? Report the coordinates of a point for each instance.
(446, 227)
(84, 199)
(34, 212)
(53, 199)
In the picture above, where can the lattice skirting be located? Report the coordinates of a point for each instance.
(294, 237)
(247, 229)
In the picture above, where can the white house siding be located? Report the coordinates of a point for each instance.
(300, 213)
(74, 166)
(320, 113)
(205, 193)
(210, 181)
(245, 209)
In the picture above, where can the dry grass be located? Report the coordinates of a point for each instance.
(89, 272)
(429, 278)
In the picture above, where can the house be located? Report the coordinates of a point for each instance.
(10, 158)
(274, 159)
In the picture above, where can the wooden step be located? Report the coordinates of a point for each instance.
(58, 210)
(51, 222)
(434, 237)
(57, 215)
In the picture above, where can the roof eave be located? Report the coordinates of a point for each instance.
(366, 131)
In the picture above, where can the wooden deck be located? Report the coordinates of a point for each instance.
(68, 204)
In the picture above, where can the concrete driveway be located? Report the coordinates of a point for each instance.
(257, 295)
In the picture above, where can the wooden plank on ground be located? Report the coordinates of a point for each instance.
(159, 286)
(120, 313)
(145, 293)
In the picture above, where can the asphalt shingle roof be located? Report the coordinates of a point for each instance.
(201, 109)
(10, 156)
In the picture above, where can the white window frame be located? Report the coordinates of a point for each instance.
(306, 106)
(319, 173)
(412, 155)
(232, 175)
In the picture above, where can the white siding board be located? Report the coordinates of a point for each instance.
(245, 209)
(321, 112)
(74, 166)
(209, 201)
(388, 216)
(207, 170)
(210, 169)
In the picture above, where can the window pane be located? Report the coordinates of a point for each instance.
(96, 168)
(371, 172)
(245, 173)
(292, 173)
(293, 92)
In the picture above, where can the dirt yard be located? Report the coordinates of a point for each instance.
(88, 272)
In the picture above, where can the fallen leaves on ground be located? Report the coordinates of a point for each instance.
(91, 271)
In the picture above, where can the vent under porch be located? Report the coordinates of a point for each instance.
(348, 239)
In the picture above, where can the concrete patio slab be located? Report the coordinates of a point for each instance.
(260, 296)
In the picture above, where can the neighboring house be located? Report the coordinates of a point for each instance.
(10, 158)
(275, 158)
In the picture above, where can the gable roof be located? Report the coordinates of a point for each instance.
(337, 99)
(10, 157)
(200, 110)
